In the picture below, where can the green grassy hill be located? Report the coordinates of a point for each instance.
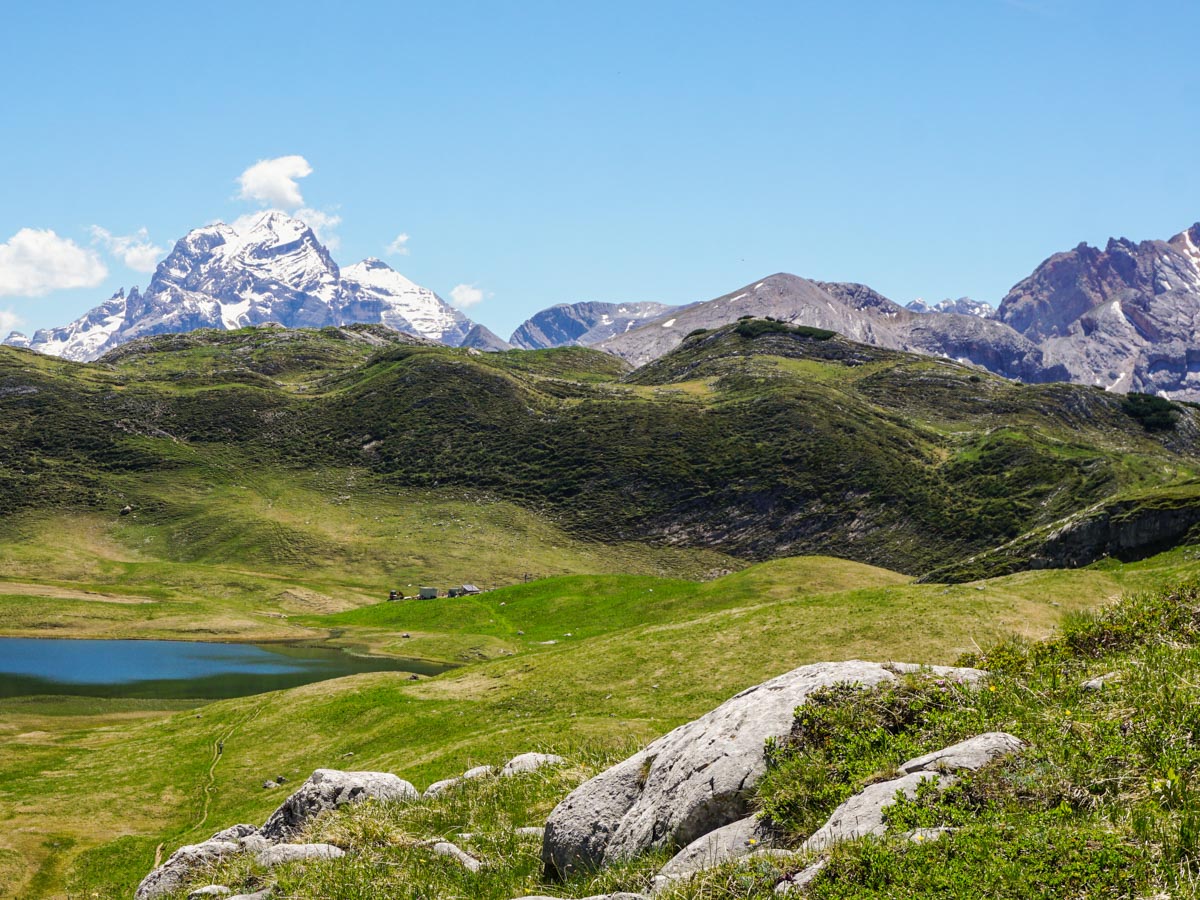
(752, 443)
(89, 789)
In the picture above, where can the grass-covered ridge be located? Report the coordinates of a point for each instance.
(1100, 803)
(756, 443)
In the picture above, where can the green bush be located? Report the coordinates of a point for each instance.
(1154, 413)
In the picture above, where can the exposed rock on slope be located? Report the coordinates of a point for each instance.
(696, 778)
(582, 324)
(853, 310)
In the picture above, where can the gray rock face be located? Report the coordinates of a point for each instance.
(175, 872)
(696, 778)
(582, 324)
(529, 762)
(799, 883)
(480, 337)
(280, 854)
(328, 789)
(969, 755)
(730, 842)
(1123, 317)
(862, 814)
(212, 890)
(854, 311)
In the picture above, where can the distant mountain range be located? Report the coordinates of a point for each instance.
(1125, 318)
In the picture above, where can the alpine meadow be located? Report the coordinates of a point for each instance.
(600, 452)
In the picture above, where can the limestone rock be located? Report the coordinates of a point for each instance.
(212, 890)
(530, 762)
(733, 841)
(328, 789)
(280, 854)
(862, 814)
(1098, 683)
(438, 786)
(799, 882)
(698, 777)
(971, 754)
(445, 848)
(175, 872)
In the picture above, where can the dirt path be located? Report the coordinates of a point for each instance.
(217, 753)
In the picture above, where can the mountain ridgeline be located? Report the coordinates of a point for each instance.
(759, 439)
(1122, 318)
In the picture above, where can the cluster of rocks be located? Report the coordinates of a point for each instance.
(690, 789)
(326, 789)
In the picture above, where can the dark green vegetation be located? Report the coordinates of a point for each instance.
(1101, 803)
(1155, 413)
(756, 440)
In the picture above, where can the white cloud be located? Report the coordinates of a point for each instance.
(9, 321)
(34, 262)
(272, 182)
(136, 250)
(322, 224)
(465, 295)
(399, 246)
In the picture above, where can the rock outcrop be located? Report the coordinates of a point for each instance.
(698, 777)
(179, 866)
(328, 789)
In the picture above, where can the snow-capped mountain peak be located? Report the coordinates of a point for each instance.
(269, 267)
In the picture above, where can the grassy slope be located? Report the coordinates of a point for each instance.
(1102, 801)
(638, 663)
(759, 447)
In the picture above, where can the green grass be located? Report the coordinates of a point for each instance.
(1101, 803)
(641, 663)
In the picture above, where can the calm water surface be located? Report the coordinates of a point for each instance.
(176, 669)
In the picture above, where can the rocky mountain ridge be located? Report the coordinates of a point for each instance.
(582, 324)
(272, 269)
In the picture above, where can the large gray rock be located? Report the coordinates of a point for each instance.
(281, 854)
(698, 777)
(328, 789)
(173, 874)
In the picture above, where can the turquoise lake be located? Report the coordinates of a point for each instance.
(176, 669)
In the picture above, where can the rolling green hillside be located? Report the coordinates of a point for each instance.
(751, 442)
(89, 788)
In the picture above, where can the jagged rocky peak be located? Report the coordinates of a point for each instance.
(17, 339)
(963, 306)
(270, 267)
(583, 324)
(1123, 317)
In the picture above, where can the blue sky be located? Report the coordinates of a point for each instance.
(554, 152)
